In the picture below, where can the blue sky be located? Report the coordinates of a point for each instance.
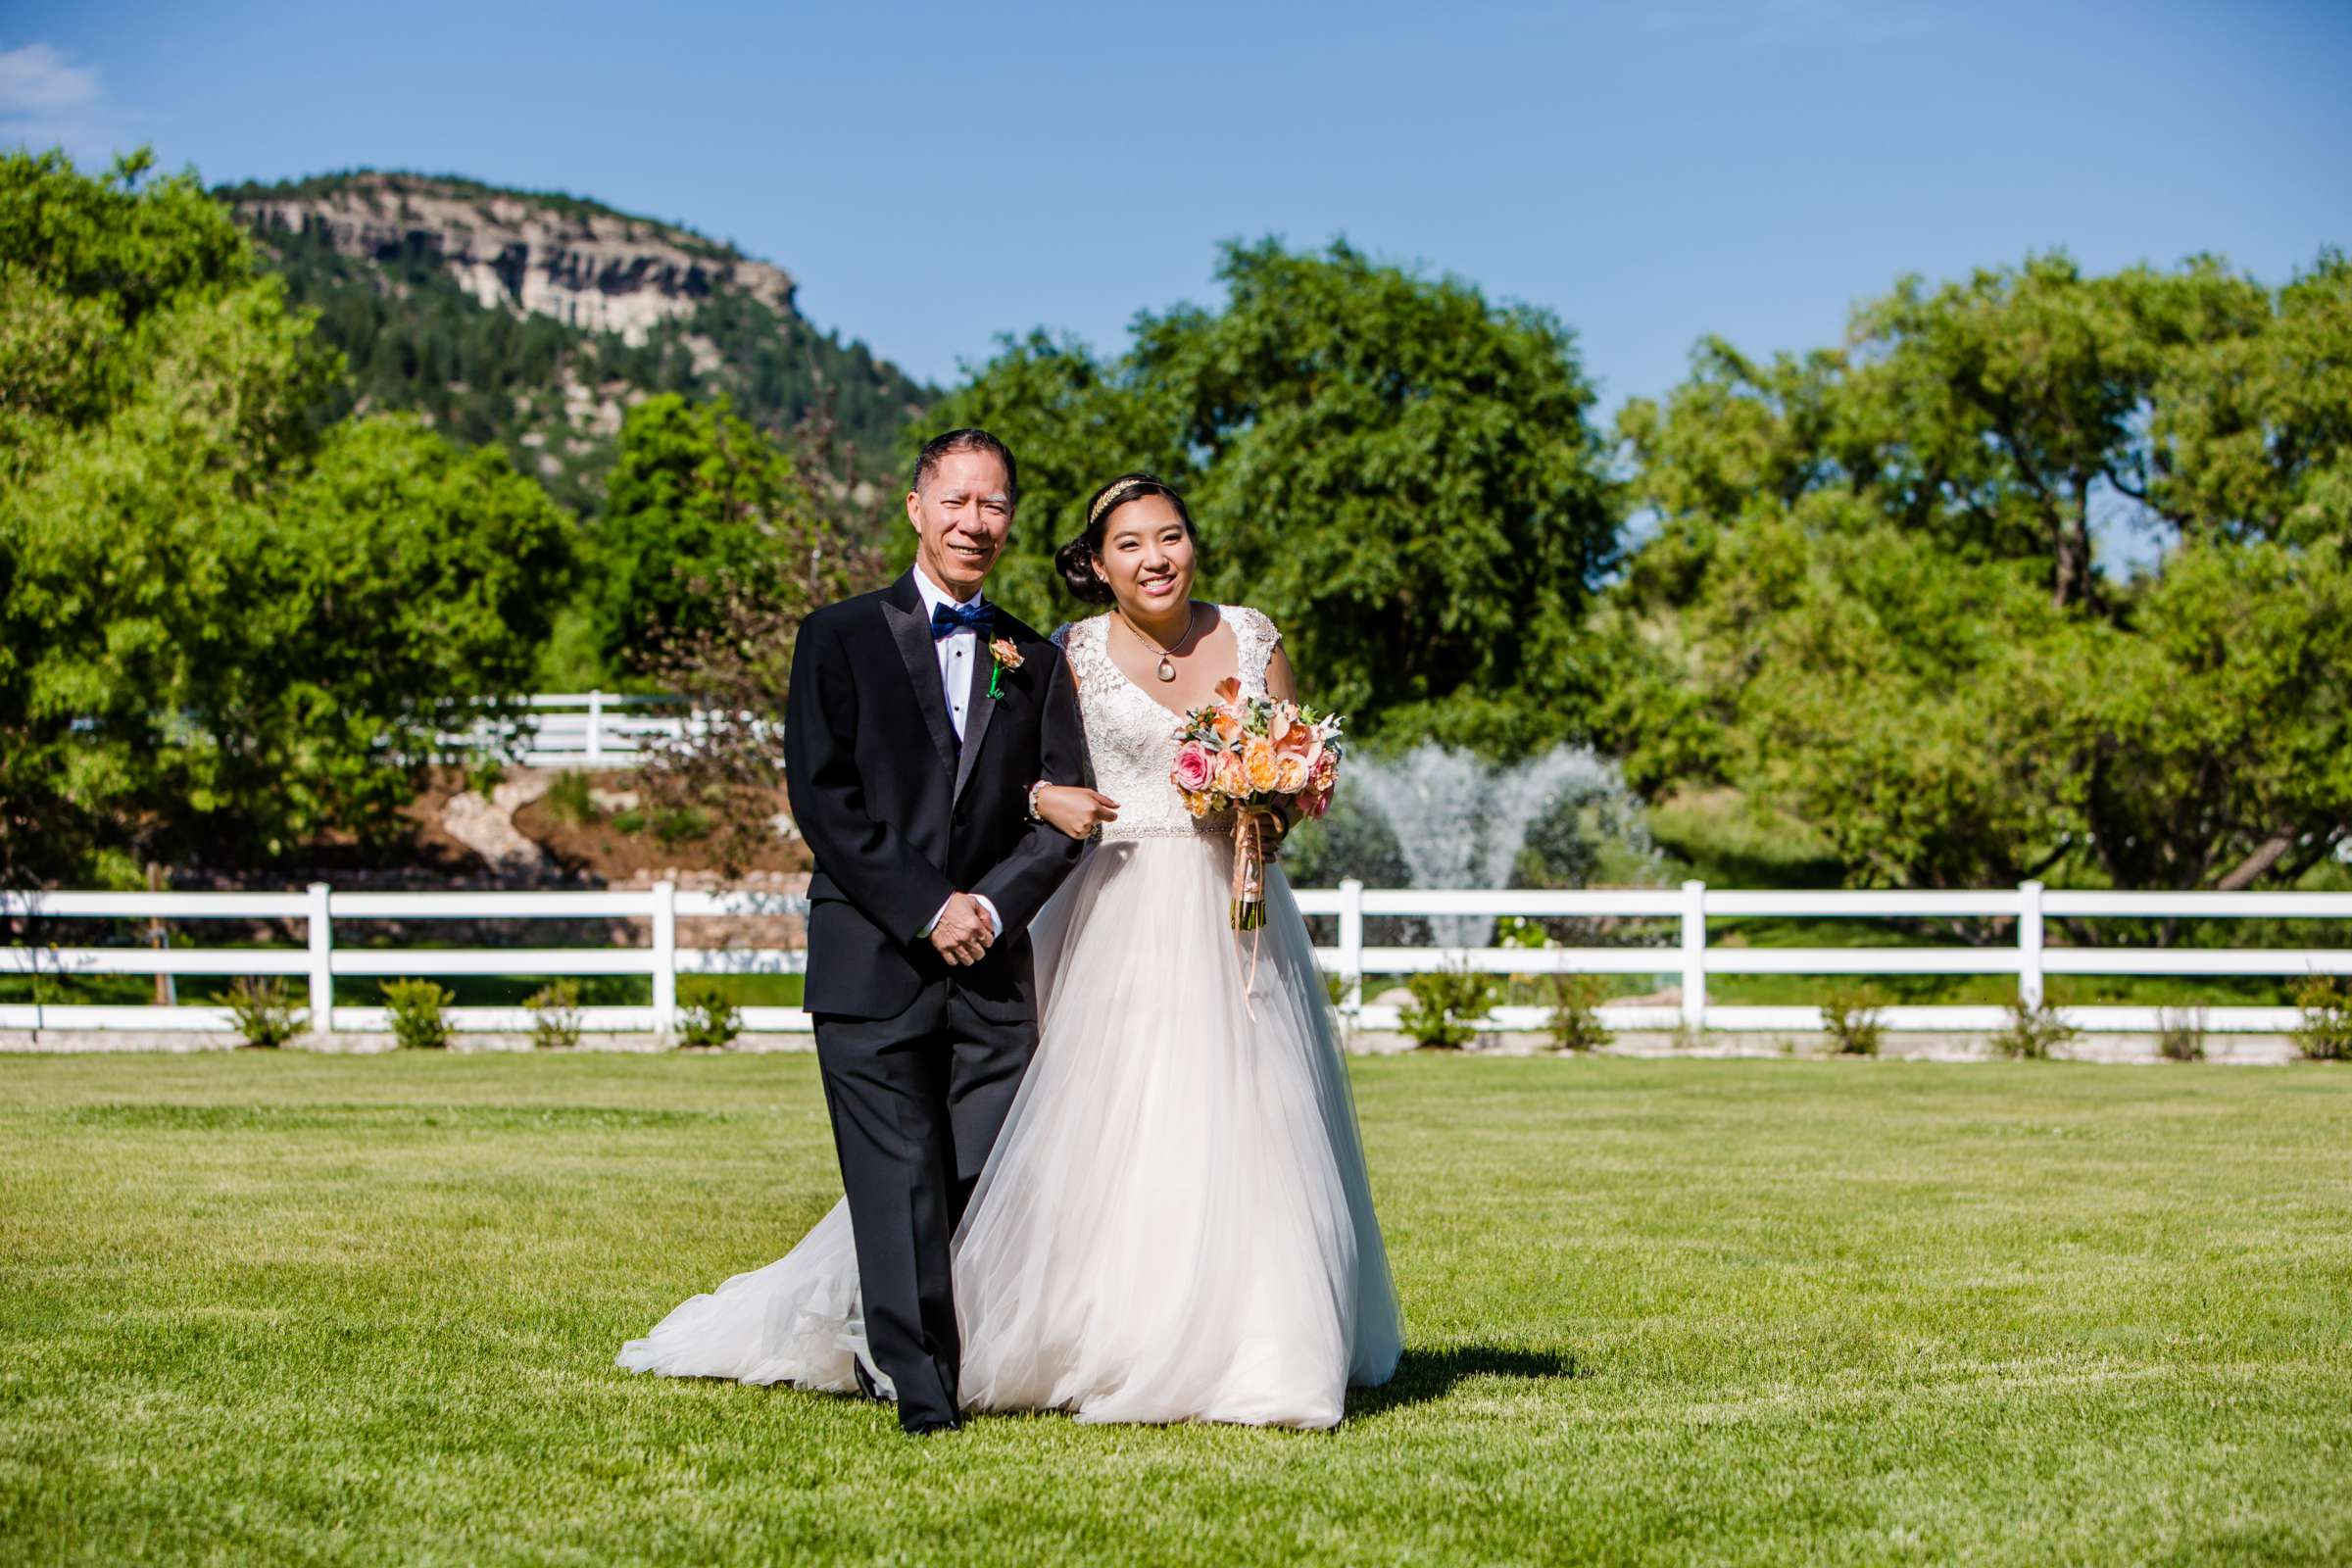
(935, 175)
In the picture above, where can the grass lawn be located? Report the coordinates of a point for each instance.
(264, 1307)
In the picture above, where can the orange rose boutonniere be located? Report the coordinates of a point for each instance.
(1006, 657)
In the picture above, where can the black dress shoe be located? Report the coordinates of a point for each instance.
(925, 1427)
(865, 1381)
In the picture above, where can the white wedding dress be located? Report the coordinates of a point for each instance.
(1175, 1223)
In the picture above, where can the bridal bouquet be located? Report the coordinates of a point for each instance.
(1254, 754)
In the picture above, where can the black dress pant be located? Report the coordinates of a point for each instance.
(917, 1102)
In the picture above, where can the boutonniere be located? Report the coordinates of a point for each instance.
(1006, 657)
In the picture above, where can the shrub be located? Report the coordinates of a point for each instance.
(2032, 1031)
(556, 1015)
(264, 1011)
(2181, 1033)
(2325, 1031)
(629, 821)
(1444, 1003)
(1574, 1021)
(708, 1021)
(681, 826)
(419, 1019)
(1569, 1000)
(569, 800)
(1853, 1018)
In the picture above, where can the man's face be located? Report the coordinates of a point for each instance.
(962, 515)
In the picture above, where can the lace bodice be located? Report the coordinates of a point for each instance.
(1131, 736)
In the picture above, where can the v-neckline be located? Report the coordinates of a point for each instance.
(1223, 621)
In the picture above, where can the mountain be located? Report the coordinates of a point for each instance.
(535, 319)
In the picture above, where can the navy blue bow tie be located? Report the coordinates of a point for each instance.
(948, 620)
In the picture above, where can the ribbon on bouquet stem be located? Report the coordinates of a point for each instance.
(1250, 890)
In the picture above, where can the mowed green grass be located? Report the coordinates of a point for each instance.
(291, 1308)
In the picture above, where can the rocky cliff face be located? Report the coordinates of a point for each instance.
(583, 264)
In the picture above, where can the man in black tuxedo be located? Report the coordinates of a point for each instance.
(918, 721)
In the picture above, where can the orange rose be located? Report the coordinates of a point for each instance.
(1289, 773)
(1257, 763)
(1232, 777)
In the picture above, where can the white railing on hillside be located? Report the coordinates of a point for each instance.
(1690, 961)
(584, 730)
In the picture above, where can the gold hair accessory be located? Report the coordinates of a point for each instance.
(1105, 500)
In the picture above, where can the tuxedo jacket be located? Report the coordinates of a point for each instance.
(899, 815)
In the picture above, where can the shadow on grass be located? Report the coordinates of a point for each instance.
(1423, 1376)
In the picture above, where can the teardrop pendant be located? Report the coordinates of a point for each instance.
(1167, 669)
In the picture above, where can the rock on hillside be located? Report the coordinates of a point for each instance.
(584, 265)
(537, 319)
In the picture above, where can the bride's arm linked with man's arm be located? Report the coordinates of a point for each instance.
(1019, 884)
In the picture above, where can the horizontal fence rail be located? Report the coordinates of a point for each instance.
(1686, 960)
(585, 730)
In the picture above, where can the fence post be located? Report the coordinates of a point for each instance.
(596, 727)
(666, 958)
(1351, 946)
(2029, 944)
(1694, 955)
(322, 958)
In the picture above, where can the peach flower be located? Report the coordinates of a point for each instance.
(1258, 763)
(1232, 777)
(1284, 729)
(1289, 773)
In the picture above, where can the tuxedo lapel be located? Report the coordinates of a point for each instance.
(977, 706)
(902, 607)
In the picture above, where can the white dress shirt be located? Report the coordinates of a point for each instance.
(955, 652)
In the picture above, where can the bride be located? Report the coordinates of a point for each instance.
(1175, 1223)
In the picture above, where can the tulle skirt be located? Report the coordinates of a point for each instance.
(1175, 1223)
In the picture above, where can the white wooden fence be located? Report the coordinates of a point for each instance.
(1690, 962)
(586, 730)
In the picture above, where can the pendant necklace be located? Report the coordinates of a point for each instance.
(1166, 668)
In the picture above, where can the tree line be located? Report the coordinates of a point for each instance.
(1855, 588)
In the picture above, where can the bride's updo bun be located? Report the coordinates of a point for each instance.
(1076, 559)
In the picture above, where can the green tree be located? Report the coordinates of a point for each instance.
(777, 542)
(1401, 473)
(1869, 597)
(697, 495)
(222, 631)
(2252, 430)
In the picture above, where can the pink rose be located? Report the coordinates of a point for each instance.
(1314, 802)
(1194, 768)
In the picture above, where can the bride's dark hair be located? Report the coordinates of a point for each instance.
(1076, 559)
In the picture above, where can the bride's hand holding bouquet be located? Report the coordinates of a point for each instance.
(1267, 761)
